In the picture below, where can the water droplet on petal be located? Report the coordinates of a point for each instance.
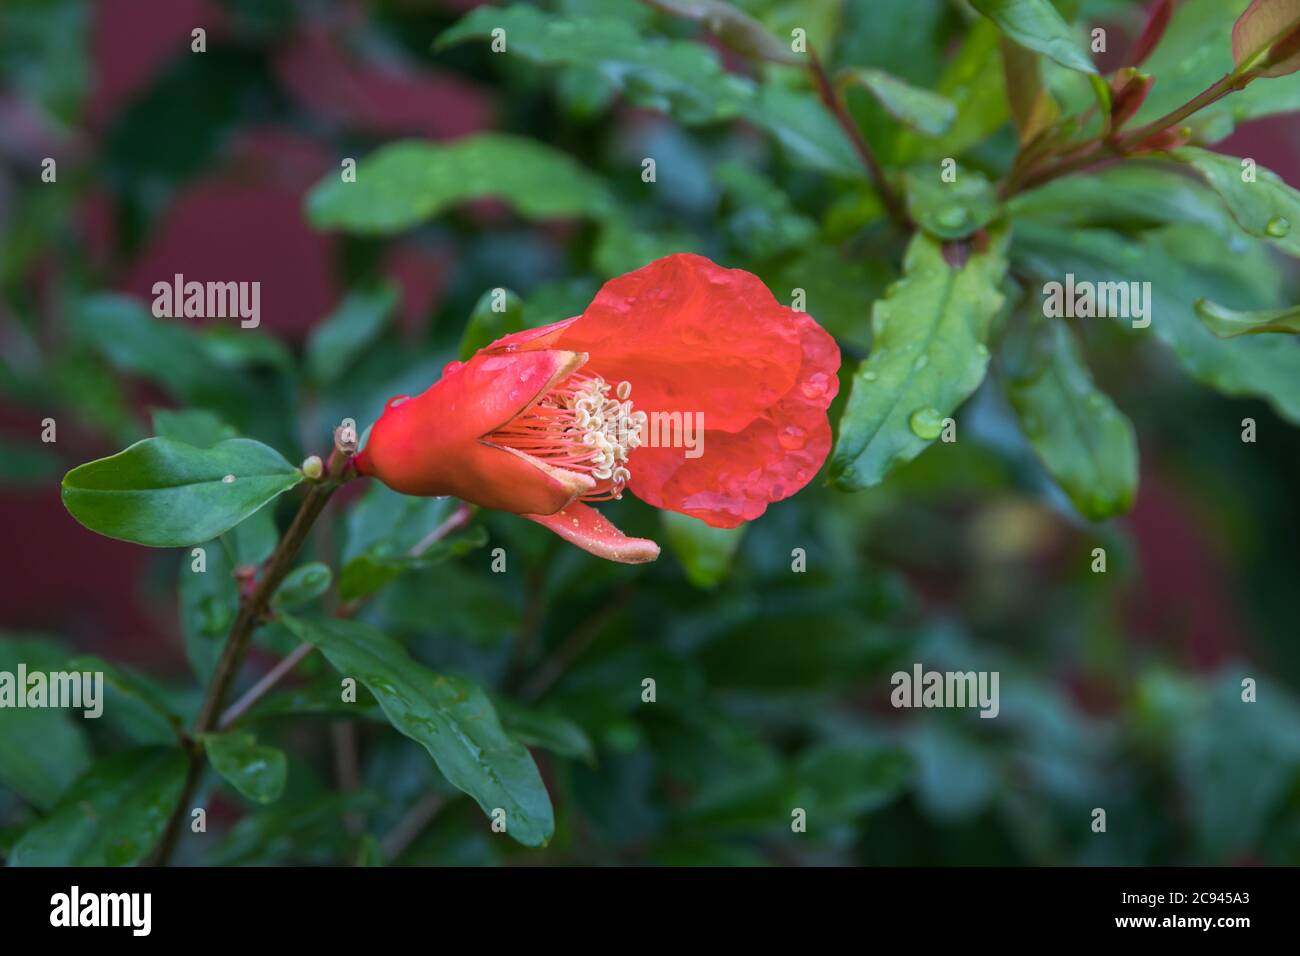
(229, 480)
(792, 437)
(815, 385)
(926, 423)
(1278, 227)
(396, 400)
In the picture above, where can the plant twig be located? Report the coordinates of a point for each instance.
(457, 519)
(411, 825)
(1100, 149)
(826, 92)
(251, 611)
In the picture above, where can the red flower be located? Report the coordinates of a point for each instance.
(686, 383)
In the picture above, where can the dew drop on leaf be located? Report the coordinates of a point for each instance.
(926, 423)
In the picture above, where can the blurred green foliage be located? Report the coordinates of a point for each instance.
(770, 648)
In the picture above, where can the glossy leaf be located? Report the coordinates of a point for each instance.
(452, 718)
(112, 816)
(256, 771)
(1230, 323)
(1266, 208)
(1183, 263)
(166, 494)
(950, 210)
(930, 353)
(919, 108)
(405, 183)
(1036, 25)
(1130, 196)
(1087, 444)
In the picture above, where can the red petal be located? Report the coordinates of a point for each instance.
(586, 527)
(691, 337)
(739, 474)
(431, 444)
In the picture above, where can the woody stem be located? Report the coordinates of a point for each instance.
(252, 609)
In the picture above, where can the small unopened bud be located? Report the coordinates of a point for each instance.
(345, 437)
(313, 467)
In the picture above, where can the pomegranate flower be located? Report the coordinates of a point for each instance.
(683, 382)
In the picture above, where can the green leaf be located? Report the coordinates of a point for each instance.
(166, 494)
(950, 210)
(153, 716)
(405, 183)
(1033, 109)
(1194, 52)
(453, 719)
(736, 29)
(497, 313)
(42, 750)
(256, 771)
(388, 523)
(1266, 208)
(1229, 323)
(1087, 444)
(112, 816)
(193, 426)
(209, 601)
(1129, 196)
(303, 584)
(704, 552)
(981, 103)
(1183, 263)
(1267, 38)
(367, 573)
(135, 342)
(809, 134)
(930, 353)
(924, 111)
(678, 77)
(252, 541)
(542, 728)
(1036, 25)
(338, 341)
